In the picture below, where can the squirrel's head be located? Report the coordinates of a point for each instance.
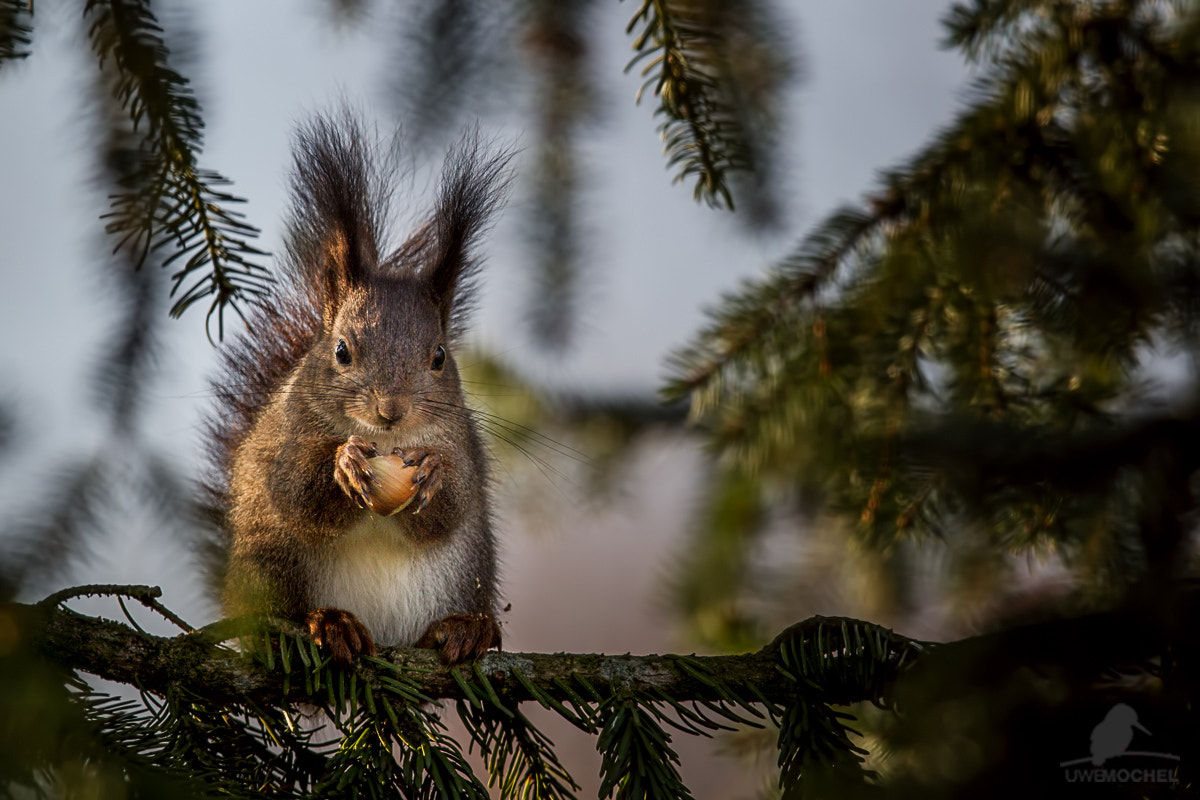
(384, 355)
(388, 357)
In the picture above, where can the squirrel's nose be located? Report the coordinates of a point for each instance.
(392, 409)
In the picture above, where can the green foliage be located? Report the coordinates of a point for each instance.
(715, 69)
(61, 737)
(967, 357)
(1016, 272)
(816, 754)
(16, 29)
(520, 758)
(638, 759)
(168, 201)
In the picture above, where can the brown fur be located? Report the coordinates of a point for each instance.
(356, 349)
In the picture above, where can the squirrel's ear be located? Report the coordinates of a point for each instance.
(341, 272)
(474, 184)
(338, 203)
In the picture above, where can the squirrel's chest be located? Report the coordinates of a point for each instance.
(395, 587)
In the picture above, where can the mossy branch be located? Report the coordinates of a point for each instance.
(118, 652)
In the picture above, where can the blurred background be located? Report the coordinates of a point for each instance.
(598, 270)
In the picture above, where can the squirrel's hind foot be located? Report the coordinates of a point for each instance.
(462, 637)
(340, 633)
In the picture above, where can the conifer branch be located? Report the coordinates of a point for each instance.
(168, 200)
(1044, 213)
(205, 704)
(716, 103)
(16, 29)
(117, 652)
(190, 681)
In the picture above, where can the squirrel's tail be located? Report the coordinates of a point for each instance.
(250, 372)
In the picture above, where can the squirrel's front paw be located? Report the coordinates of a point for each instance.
(351, 470)
(340, 633)
(428, 477)
(461, 637)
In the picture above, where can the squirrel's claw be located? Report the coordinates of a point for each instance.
(351, 470)
(428, 477)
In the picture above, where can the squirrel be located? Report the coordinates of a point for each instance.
(352, 355)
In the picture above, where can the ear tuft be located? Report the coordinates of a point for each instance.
(338, 205)
(475, 182)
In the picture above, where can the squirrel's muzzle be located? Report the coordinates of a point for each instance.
(392, 409)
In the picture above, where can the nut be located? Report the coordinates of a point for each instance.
(393, 485)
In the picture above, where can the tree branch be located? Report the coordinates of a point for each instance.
(826, 654)
(203, 700)
(117, 652)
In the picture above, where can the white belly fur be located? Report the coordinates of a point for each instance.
(394, 586)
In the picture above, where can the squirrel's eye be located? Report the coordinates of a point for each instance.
(342, 353)
(439, 358)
